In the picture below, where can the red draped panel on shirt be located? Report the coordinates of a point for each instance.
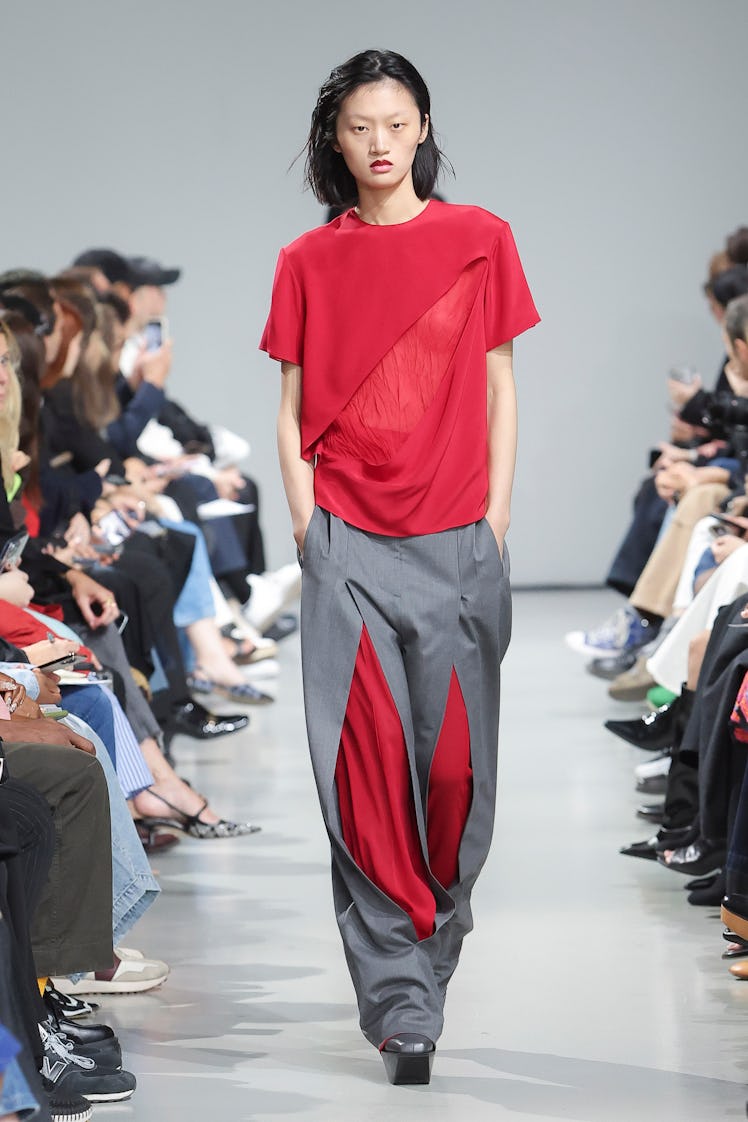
(391, 325)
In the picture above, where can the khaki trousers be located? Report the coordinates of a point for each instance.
(655, 590)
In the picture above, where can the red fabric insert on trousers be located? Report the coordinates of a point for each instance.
(450, 788)
(375, 792)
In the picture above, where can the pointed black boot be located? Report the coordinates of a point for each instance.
(408, 1058)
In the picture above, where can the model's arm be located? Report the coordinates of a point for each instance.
(502, 438)
(298, 474)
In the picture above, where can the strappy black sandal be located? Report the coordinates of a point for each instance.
(192, 824)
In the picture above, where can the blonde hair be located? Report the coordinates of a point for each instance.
(10, 415)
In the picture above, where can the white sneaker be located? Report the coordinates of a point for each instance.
(133, 975)
(271, 594)
(652, 768)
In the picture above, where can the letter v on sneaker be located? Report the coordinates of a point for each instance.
(132, 975)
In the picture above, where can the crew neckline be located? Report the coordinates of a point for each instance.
(390, 225)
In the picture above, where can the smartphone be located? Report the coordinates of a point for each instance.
(10, 555)
(54, 712)
(114, 528)
(684, 374)
(156, 333)
(65, 662)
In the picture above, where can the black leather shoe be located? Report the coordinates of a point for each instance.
(105, 1051)
(676, 839)
(700, 857)
(609, 668)
(702, 882)
(709, 896)
(193, 719)
(284, 626)
(408, 1058)
(652, 812)
(653, 785)
(653, 732)
(83, 1034)
(646, 849)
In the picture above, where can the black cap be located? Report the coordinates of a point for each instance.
(145, 270)
(112, 265)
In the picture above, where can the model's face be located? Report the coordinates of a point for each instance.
(378, 132)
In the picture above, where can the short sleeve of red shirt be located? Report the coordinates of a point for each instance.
(509, 308)
(283, 337)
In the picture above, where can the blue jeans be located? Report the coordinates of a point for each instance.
(195, 601)
(134, 887)
(88, 703)
(99, 708)
(16, 1097)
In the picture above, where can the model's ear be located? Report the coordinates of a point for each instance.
(424, 129)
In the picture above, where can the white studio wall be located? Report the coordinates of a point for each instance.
(608, 135)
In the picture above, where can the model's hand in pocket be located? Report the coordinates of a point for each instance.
(300, 529)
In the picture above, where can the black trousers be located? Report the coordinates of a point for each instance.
(27, 819)
(15, 1015)
(641, 536)
(71, 928)
(721, 762)
(151, 573)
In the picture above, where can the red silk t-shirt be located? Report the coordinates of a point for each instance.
(391, 325)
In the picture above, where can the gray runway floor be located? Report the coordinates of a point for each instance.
(589, 991)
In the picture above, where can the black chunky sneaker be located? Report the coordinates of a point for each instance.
(71, 1073)
(66, 1005)
(65, 1106)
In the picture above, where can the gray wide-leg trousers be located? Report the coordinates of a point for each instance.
(431, 604)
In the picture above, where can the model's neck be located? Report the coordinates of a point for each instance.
(389, 208)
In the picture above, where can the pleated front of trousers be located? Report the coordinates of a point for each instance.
(402, 640)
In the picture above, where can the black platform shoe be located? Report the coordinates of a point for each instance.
(734, 913)
(408, 1058)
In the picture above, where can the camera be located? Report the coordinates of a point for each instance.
(726, 416)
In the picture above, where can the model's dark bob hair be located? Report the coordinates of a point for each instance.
(325, 170)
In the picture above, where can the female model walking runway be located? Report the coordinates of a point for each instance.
(397, 435)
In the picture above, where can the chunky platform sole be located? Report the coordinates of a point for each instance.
(736, 923)
(408, 1068)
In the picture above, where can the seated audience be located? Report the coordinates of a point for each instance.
(681, 641)
(109, 557)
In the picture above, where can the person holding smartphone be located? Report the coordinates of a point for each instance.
(397, 431)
